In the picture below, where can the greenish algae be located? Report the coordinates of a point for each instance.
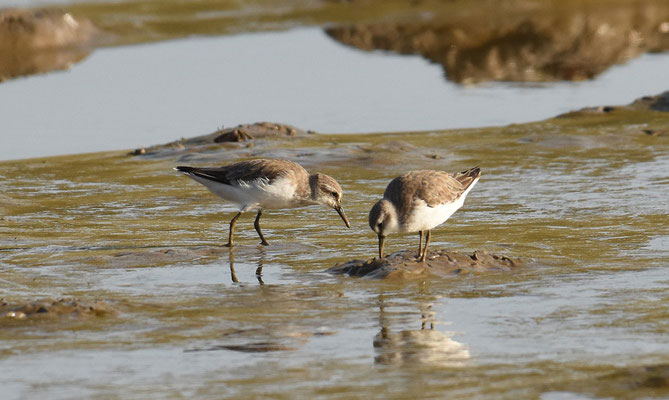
(583, 196)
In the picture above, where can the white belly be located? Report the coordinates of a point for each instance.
(256, 194)
(424, 218)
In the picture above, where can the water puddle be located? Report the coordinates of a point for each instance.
(159, 92)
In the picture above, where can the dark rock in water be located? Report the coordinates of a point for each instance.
(222, 137)
(58, 307)
(403, 265)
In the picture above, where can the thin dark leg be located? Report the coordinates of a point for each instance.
(257, 226)
(232, 229)
(420, 243)
(427, 242)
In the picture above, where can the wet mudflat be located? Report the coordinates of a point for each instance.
(551, 281)
(580, 198)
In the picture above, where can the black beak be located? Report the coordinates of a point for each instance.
(382, 240)
(340, 211)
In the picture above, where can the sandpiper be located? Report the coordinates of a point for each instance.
(419, 201)
(267, 184)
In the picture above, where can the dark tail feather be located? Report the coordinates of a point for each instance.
(467, 177)
(184, 169)
(211, 174)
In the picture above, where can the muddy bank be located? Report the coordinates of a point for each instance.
(42, 40)
(442, 263)
(276, 140)
(524, 42)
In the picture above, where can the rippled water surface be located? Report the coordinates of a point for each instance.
(198, 320)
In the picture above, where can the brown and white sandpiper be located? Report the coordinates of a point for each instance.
(418, 201)
(267, 184)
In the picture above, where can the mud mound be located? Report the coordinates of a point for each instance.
(403, 265)
(60, 307)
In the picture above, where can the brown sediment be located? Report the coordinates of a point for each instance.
(60, 307)
(42, 40)
(403, 265)
(526, 41)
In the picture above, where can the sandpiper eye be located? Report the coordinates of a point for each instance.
(334, 194)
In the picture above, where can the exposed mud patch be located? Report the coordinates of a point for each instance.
(403, 265)
(241, 136)
(658, 102)
(55, 308)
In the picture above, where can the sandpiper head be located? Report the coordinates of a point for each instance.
(325, 190)
(383, 220)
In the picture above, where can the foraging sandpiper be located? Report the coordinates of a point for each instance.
(419, 201)
(268, 184)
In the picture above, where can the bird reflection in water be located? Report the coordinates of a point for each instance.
(424, 346)
(233, 274)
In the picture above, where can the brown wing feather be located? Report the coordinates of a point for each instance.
(247, 171)
(433, 187)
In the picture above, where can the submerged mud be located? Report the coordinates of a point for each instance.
(55, 308)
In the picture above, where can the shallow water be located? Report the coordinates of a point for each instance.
(198, 320)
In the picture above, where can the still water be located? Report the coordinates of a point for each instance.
(134, 96)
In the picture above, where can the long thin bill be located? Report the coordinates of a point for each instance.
(382, 241)
(340, 211)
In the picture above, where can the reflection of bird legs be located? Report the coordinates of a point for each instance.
(231, 257)
(425, 316)
(261, 261)
(382, 319)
